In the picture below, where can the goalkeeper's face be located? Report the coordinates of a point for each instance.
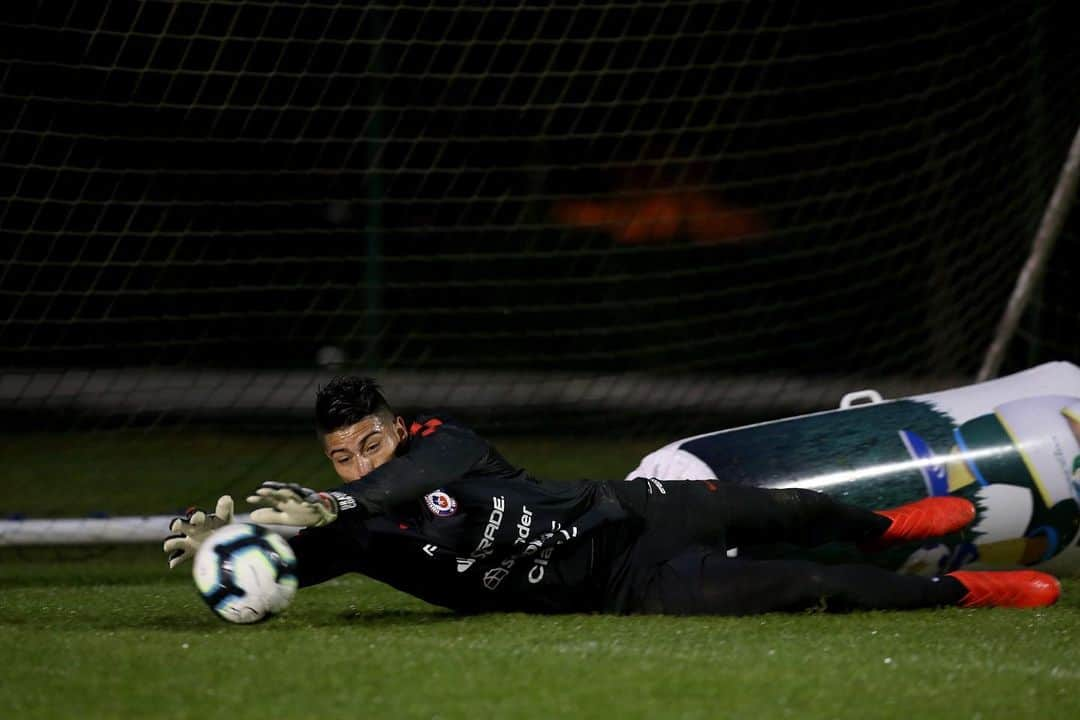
(356, 450)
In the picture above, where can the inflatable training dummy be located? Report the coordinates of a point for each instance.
(1010, 445)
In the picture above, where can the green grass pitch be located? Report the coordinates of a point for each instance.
(111, 633)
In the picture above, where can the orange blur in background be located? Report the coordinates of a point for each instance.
(662, 216)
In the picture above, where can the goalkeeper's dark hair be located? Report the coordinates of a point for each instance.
(347, 400)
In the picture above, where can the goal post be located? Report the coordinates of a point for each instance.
(126, 530)
(1042, 248)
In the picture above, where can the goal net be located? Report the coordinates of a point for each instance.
(621, 219)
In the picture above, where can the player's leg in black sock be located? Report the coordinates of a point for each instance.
(752, 516)
(678, 514)
(706, 582)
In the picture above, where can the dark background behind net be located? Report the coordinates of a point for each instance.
(207, 184)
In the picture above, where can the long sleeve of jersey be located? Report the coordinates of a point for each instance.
(439, 452)
(321, 555)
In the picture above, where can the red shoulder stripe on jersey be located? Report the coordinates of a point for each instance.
(426, 429)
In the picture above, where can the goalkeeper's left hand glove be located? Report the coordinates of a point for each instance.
(292, 504)
(190, 530)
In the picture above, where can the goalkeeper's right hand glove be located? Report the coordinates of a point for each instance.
(189, 531)
(292, 504)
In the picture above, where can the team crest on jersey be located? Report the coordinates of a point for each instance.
(441, 504)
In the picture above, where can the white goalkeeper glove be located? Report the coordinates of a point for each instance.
(191, 530)
(292, 504)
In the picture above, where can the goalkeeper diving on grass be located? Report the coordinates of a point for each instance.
(432, 509)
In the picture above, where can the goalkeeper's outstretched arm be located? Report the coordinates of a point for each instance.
(319, 555)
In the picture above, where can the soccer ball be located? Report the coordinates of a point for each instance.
(245, 573)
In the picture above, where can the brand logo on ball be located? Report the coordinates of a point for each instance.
(441, 504)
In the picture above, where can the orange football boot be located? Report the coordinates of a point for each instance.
(1007, 588)
(927, 518)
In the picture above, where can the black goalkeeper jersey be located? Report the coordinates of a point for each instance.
(452, 522)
